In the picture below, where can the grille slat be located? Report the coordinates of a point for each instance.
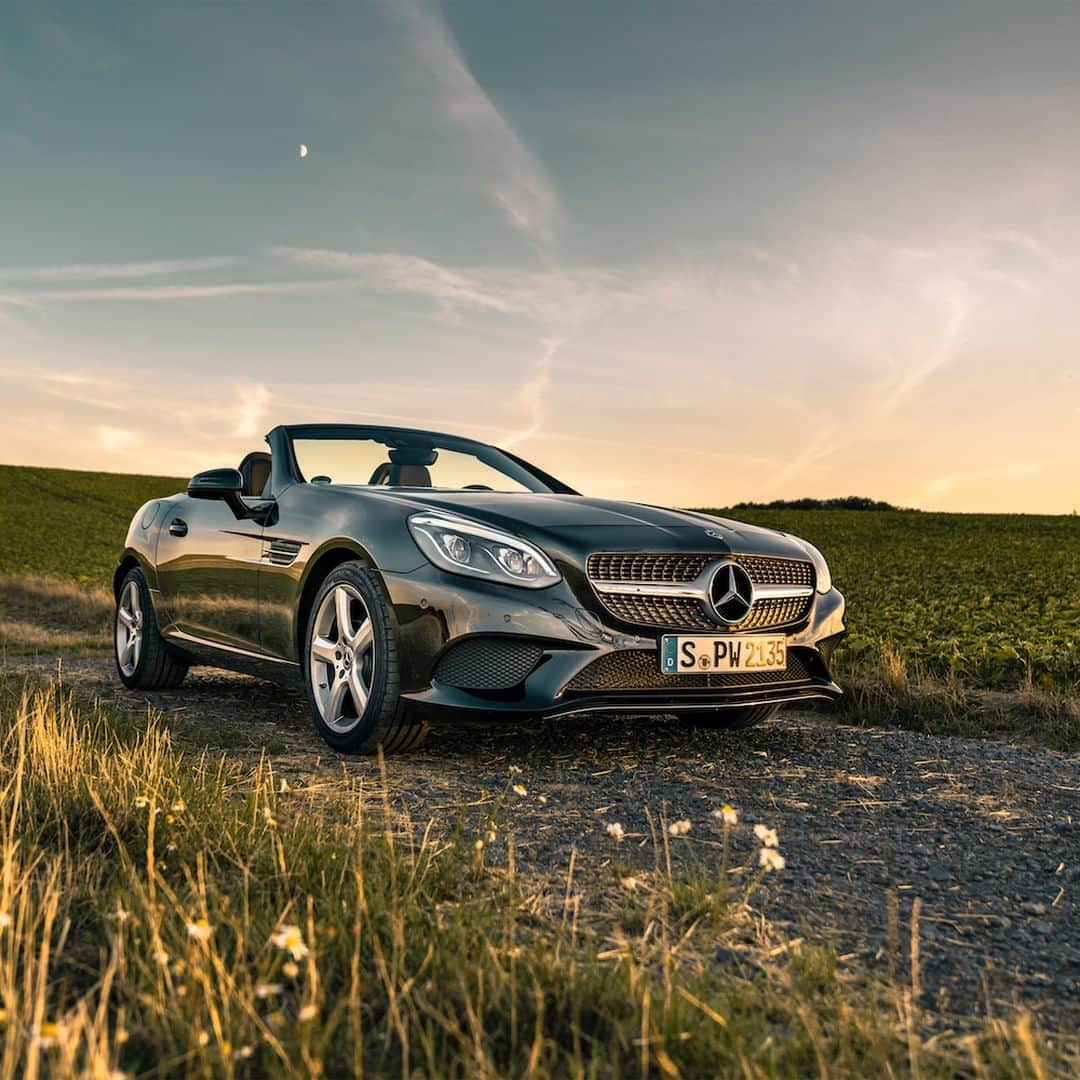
(638, 669)
(682, 613)
(283, 552)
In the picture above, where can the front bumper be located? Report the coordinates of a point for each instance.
(566, 634)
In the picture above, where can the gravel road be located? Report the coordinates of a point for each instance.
(987, 834)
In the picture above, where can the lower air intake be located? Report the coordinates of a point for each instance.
(637, 669)
(488, 663)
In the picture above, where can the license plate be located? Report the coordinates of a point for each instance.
(697, 655)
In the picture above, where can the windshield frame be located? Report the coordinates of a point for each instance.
(529, 476)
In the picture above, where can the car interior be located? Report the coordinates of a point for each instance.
(407, 467)
(255, 470)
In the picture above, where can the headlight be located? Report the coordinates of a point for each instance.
(821, 567)
(467, 547)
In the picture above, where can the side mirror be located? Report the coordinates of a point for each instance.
(223, 484)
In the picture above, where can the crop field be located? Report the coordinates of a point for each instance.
(66, 524)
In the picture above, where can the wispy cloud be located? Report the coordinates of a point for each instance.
(516, 180)
(946, 484)
(555, 297)
(185, 292)
(107, 271)
(532, 396)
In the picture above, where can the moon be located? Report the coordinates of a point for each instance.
(303, 149)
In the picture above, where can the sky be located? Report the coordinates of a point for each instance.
(685, 253)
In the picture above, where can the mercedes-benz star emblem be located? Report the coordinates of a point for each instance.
(731, 592)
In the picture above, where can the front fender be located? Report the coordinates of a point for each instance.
(140, 544)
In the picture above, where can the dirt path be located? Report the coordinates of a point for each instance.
(988, 835)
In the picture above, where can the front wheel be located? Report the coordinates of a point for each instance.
(731, 719)
(144, 660)
(351, 667)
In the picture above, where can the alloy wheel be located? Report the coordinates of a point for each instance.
(129, 629)
(342, 658)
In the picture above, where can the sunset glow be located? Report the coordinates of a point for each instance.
(688, 260)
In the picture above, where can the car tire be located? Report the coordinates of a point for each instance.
(732, 719)
(351, 669)
(144, 660)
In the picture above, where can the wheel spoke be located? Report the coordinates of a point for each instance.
(343, 609)
(126, 618)
(127, 652)
(358, 690)
(362, 640)
(338, 689)
(324, 649)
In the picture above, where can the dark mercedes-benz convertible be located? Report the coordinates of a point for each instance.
(402, 574)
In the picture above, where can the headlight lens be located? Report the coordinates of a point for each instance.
(467, 547)
(821, 567)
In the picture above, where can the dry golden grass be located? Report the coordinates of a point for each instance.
(166, 916)
(896, 693)
(40, 614)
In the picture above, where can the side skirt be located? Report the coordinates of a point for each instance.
(214, 654)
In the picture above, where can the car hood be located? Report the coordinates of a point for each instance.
(576, 524)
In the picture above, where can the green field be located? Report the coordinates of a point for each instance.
(67, 524)
(993, 599)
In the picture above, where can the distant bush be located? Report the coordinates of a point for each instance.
(849, 502)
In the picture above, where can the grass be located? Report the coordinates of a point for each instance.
(45, 615)
(161, 915)
(70, 525)
(892, 695)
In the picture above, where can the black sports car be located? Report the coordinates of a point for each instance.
(403, 573)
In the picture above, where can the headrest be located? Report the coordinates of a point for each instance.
(414, 455)
(409, 476)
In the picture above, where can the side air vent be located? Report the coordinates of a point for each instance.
(282, 552)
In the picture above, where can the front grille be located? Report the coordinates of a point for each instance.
(689, 613)
(769, 613)
(666, 611)
(488, 663)
(633, 567)
(638, 669)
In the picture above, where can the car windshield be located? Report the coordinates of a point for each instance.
(387, 458)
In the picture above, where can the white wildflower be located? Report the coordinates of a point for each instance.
(289, 939)
(771, 859)
(200, 930)
(679, 828)
(766, 835)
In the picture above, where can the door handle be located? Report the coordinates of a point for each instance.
(178, 527)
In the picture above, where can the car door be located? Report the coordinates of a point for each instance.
(208, 573)
(287, 547)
